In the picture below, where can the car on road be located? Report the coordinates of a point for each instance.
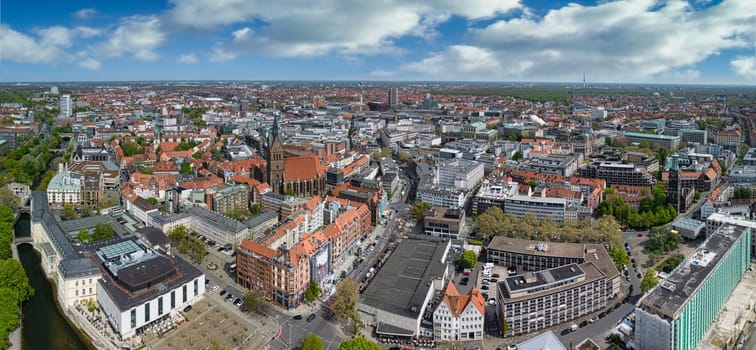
(463, 283)
(602, 314)
(484, 287)
(188, 308)
(566, 331)
(310, 318)
(583, 324)
(495, 275)
(493, 280)
(639, 275)
(214, 288)
(297, 317)
(593, 319)
(223, 292)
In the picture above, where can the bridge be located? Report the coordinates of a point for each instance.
(22, 240)
(67, 135)
(58, 151)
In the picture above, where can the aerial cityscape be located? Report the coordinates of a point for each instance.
(397, 175)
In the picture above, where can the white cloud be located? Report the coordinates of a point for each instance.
(242, 34)
(189, 58)
(135, 35)
(90, 63)
(301, 28)
(382, 73)
(85, 13)
(221, 55)
(639, 40)
(22, 48)
(744, 66)
(87, 32)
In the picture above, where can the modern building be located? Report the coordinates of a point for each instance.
(547, 340)
(750, 157)
(688, 228)
(459, 317)
(717, 220)
(447, 197)
(66, 106)
(398, 301)
(677, 313)
(666, 141)
(217, 227)
(542, 207)
(443, 222)
(461, 174)
(144, 286)
(560, 281)
(225, 199)
(693, 136)
(492, 194)
(393, 98)
(619, 174)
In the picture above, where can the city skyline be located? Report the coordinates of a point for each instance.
(637, 41)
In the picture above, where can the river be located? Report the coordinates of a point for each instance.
(44, 327)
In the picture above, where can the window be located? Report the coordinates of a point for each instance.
(147, 313)
(184, 297)
(90, 290)
(77, 292)
(90, 281)
(160, 306)
(83, 291)
(173, 299)
(133, 318)
(196, 287)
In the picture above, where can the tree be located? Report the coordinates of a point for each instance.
(312, 292)
(517, 156)
(358, 343)
(68, 212)
(255, 209)
(418, 210)
(489, 223)
(252, 300)
(619, 257)
(743, 193)
(186, 168)
(345, 299)
(152, 200)
(238, 213)
(102, 231)
(83, 236)
(468, 259)
(290, 192)
(8, 198)
(649, 281)
(131, 148)
(13, 277)
(312, 342)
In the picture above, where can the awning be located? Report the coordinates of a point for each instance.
(387, 329)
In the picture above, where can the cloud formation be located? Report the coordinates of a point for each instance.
(189, 58)
(136, 35)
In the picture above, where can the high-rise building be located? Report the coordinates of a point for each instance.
(678, 312)
(66, 106)
(393, 98)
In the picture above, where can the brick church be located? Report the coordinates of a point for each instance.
(304, 175)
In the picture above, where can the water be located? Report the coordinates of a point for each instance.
(44, 327)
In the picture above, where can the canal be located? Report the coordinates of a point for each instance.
(44, 327)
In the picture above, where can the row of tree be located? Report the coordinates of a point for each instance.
(29, 160)
(101, 231)
(14, 284)
(313, 342)
(187, 243)
(494, 222)
(651, 212)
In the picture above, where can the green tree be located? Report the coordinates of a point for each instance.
(468, 259)
(358, 343)
(345, 299)
(252, 300)
(83, 236)
(290, 192)
(619, 257)
(8, 198)
(743, 193)
(312, 342)
(102, 231)
(312, 292)
(186, 168)
(68, 212)
(131, 148)
(517, 156)
(13, 277)
(418, 210)
(489, 223)
(649, 281)
(152, 200)
(255, 209)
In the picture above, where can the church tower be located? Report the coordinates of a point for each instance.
(275, 160)
(674, 191)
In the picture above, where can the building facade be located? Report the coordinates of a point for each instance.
(678, 312)
(459, 317)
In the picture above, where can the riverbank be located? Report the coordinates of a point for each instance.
(15, 337)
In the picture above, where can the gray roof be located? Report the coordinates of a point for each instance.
(546, 340)
(218, 220)
(688, 224)
(92, 221)
(403, 281)
(672, 294)
(78, 267)
(154, 235)
(160, 220)
(261, 218)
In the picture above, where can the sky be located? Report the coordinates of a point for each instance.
(632, 41)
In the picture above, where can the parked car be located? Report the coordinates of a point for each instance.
(583, 324)
(188, 308)
(495, 275)
(223, 292)
(493, 280)
(566, 331)
(297, 317)
(639, 275)
(484, 287)
(310, 318)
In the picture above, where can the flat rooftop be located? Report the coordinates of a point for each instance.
(403, 282)
(544, 278)
(672, 294)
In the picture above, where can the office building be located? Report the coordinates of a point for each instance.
(560, 282)
(546, 340)
(225, 199)
(542, 207)
(717, 220)
(619, 174)
(461, 174)
(492, 194)
(693, 136)
(143, 286)
(217, 227)
(393, 98)
(459, 317)
(666, 141)
(677, 313)
(64, 188)
(443, 222)
(66, 106)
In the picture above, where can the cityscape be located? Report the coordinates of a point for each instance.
(391, 175)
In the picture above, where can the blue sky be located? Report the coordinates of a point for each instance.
(672, 41)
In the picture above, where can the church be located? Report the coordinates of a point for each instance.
(304, 175)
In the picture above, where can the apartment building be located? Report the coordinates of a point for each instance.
(492, 194)
(666, 141)
(443, 222)
(461, 174)
(542, 207)
(693, 136)
(678, 312)
(226, 198)
(619, 174)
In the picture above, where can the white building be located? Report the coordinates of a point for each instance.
(542, 207)
(462, 174)
(134, 300)
(64, 188)
(459, 317)
(66, 106)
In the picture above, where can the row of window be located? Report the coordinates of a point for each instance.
(160, 304)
